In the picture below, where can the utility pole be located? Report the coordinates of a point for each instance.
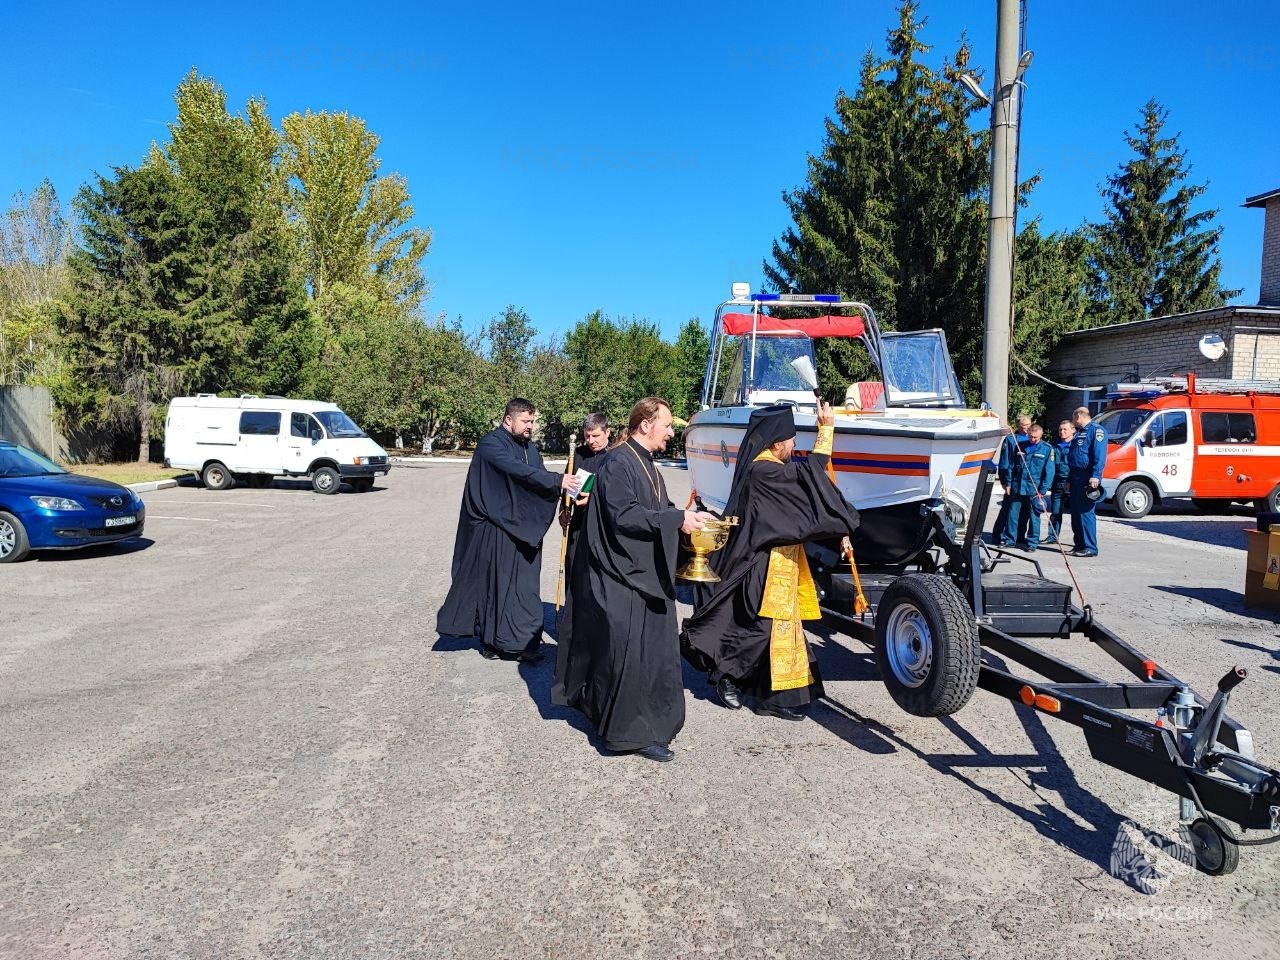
(1004, 190)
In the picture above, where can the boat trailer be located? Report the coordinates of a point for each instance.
(946, 623)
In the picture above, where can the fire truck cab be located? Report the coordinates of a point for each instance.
(1216, 442)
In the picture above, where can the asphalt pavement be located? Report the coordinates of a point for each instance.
(241, 737)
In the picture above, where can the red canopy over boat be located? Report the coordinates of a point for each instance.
(739, 324)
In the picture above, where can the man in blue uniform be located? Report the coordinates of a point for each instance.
(1086, 458)
(1031, 490)
(1059, 506)
(1008, 471)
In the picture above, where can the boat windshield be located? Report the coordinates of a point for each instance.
(773, 372)
(1121, 422)
(917, 370)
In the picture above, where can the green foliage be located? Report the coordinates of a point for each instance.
(351, 222)
(1153, 256)
(35, 238)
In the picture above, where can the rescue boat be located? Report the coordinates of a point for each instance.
(908, 451)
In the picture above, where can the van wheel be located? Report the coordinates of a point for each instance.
(14, 545)
(217, 477)
(1271, 502)
(326, 480)
(1133, 499)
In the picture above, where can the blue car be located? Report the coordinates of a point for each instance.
(43, 507)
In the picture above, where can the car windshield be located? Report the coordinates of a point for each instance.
(20, 462)
(1121, 423)
(338, 424)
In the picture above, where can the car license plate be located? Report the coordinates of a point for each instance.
(118, 521)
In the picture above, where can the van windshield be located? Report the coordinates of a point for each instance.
(338, 424)
(1121, 423)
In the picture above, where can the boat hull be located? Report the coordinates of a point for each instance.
(886, 466)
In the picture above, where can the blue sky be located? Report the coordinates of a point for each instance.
(571, 157)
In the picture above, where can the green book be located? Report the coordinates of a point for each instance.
(588, 480)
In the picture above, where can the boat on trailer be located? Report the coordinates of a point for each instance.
(942, 616)
(904, 440)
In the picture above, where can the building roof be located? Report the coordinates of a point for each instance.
(1261, 199)
(1175, 319)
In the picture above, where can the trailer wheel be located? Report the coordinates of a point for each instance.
(1271, 502)
(927, 645)
(217, 477)
(1133, 499)
(325, 480)
(1214, 855)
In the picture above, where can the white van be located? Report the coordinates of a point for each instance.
(252, 439)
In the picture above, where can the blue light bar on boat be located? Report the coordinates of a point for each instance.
(762, 297)
(826, 298)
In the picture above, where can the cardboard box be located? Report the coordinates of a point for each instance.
(1259, 546)
(1256, 595)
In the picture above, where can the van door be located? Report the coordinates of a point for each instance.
(1225, 456)
(259, 448)
(299, 445)
(1165, 451)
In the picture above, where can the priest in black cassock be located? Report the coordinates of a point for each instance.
(749, 630)
(588, 456)
(619, 661)
(507, 507)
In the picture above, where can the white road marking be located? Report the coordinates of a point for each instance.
(152, 516)
(212, 503)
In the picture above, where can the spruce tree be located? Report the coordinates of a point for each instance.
(893, 209)
(1153, 256)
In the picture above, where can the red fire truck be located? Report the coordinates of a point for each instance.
(1215, 441)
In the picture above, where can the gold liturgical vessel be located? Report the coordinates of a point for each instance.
(703, 543)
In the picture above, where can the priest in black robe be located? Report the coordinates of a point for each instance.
(748, 631)
(507, 507)
(619, 657)
(588, 456)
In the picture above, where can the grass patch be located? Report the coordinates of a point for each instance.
(126, 473)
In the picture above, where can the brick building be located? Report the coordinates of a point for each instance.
(1169, 346)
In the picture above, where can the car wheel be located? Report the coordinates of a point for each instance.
(14, 545)
(326, 480)
(1133, 499)
(217, 477)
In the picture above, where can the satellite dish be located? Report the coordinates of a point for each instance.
(1212, 347)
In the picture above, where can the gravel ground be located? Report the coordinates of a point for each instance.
(245, 739)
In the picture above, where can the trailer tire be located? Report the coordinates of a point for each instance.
(1271, 502)
(1215, 855)
(1133, 499)
(217, 477)
(927, 645)
(325, 480)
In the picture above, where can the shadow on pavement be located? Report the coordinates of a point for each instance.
(1079, 822)
(88, 553)
(1221, 598)
(1244, 645)
(1198, 529)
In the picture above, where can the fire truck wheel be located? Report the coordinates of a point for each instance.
(1215, 506)
(1133, 499)
(1271, 502)
(927, 645)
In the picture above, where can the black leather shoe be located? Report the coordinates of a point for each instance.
(729, 693)
(530, 656)
(489, 653)
(656, 751)
(782, 713)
